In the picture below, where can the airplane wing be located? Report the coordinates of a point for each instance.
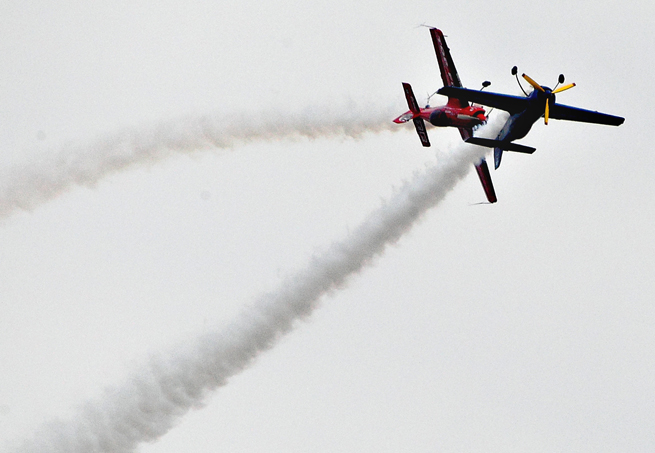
(511, 104)
(485, 179)
(446, 64)
(565, 112)
(447, 68)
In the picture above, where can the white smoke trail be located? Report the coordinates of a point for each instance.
(46, 177)
(149, 404)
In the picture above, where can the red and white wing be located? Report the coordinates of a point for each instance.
(446, 66)
(485, 179)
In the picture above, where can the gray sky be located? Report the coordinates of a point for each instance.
(525, 325)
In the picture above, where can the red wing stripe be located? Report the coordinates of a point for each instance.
(446, 64)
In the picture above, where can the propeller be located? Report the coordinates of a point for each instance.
(548, 92)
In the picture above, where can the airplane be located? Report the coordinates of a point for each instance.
(456, 113)
(524, 112)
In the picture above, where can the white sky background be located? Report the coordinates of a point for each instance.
(526, 325)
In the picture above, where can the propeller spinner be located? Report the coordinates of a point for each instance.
(549, 93)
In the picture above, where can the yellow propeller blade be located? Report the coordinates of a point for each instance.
(564, 88)
(534, 84)
(546, 114)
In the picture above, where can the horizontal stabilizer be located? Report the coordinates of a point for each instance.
(411, 99)
(413, 114)
(507, 146)
(420, 130)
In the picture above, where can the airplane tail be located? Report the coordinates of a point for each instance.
(499, 146)
(498, 155)
(414, 108)
(507, 146)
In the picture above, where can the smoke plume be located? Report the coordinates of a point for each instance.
(46, 176)
(150, 403)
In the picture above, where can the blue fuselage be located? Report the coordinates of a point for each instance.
(519, 124)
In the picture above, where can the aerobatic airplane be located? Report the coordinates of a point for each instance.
(456, 113)
(524, 112)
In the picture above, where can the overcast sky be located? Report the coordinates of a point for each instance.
(521, 326)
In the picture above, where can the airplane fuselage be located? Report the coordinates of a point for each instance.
(448, 116)
(456, 116)
(519, 124)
